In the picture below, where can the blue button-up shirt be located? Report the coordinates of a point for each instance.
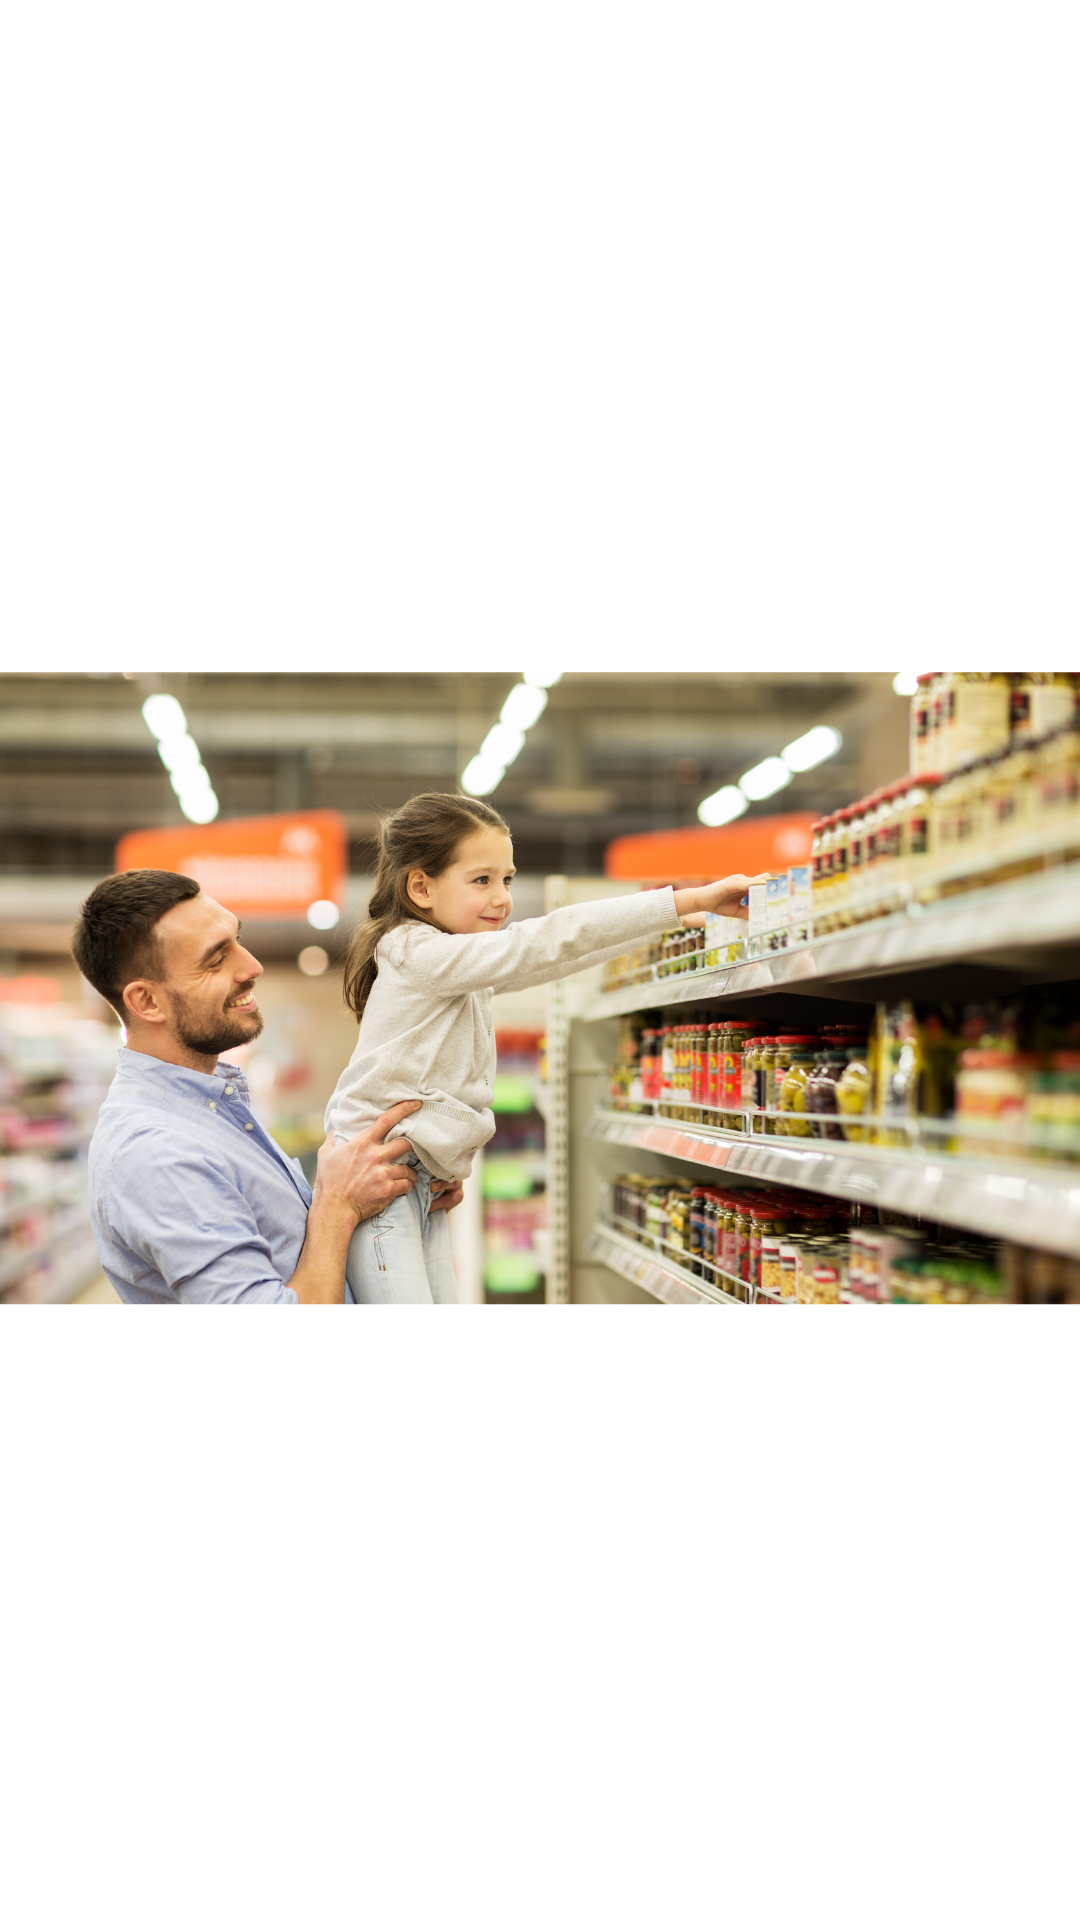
(192, 1202)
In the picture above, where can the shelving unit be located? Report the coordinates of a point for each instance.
(993, 941)
(1029, 927)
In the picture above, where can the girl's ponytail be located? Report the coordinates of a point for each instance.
(425, 833)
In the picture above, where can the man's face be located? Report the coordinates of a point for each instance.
(208, 978)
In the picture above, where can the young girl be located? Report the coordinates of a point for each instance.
(420, 977)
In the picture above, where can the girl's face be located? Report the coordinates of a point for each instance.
(473, 895)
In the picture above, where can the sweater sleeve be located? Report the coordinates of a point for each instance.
(533, 952)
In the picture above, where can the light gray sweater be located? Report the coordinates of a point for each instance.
(427, 1031)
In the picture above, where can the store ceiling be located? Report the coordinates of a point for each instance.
(614, 753)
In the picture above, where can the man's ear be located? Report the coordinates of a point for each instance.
(145, 1000)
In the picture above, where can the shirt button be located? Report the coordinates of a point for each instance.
(249, 1126)
(213, 1106)
(228, 1090)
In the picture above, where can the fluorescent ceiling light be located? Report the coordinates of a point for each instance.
(766, 778)
(164, 716)
(502, 744)
(721, 807)
(541, 678)
(810, 749)
(190, 780)
(200, 807)
(523, 705)
(481, 776)
(179, 752)
(323, 914)
(905, 684)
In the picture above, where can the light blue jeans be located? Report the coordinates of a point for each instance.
(401, 1258)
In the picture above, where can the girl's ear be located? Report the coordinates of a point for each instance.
(417, 888)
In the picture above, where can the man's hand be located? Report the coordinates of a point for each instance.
(354, 1180)
(363, 1174)
(720, 896)
(445, 1194)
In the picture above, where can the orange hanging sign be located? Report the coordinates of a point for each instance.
(271, 868)
(692, 855)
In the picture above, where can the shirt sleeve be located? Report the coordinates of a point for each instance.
(188, 1220)
(533, 952)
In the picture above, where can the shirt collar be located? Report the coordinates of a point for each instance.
(179, 1079)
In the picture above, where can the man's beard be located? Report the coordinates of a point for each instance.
(213, 1037)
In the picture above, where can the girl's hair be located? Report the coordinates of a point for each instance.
(426, 833)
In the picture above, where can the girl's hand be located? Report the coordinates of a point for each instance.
(445, 1194)
(720, 896)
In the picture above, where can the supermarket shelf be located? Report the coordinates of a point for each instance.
(1000, 923)
(652, 1272)
(1035, 1202)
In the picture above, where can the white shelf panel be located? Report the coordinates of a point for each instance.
(1037, 1203)
(652, 1272)
(1021, 917)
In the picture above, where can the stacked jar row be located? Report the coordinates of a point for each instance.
(903, 840)
(720, 1073)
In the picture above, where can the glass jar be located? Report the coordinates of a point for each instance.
(704, 1037)
(698, 1198)
(677, 1244)
(856, 861)
(735, 1034)
(656, 1215)
(824, 1271)
(992, 1090)
(1058, 784)
(1053, 1111)
(936, 723)
(821, 1092)
(817, 879)
(748, 1095)
(791, 1096)
(773, 1230)
(714, 1074)
(974, 717)
(743, 1224)
(855, 1097)
(1039, 704)
(667, 1070)
(863, 905)
(881, 878)
(728, 1238)
(917, 831)
(764, 1072)
(919, 725)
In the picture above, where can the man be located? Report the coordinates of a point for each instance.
(193, 1203)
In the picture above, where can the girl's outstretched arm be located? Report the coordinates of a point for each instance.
(536, 951)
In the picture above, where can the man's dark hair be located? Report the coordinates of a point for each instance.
(115, 940)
